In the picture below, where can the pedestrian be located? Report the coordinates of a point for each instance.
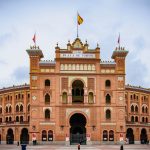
(78, 146)
(18, 143)
(121, 147)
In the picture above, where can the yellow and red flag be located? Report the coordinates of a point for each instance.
(79, 19)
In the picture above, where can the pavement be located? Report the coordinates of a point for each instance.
(74, 147)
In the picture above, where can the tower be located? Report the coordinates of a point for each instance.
(35, 55)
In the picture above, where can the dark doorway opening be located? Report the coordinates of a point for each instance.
(130, 135)
(10, 137)
(143, 136)
(24, 137)
(78, 130)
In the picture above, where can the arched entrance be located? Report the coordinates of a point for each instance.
(77, 92)
(130, 135)
(143, 136)
(24, 137)
(77, 130)
(10, 137)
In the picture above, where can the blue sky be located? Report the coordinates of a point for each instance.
(55, 21)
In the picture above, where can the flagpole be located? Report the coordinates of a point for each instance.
(77, 24)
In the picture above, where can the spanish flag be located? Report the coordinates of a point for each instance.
(80, 19)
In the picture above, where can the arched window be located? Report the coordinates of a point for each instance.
(17, 108)
(143, 109)
(91, 97)
(64, 98)
(47, 82)
(17, 118)
(9, 109)
(0, 110)
(47, 114)
(6, 109)
(143, 119)
(107, 83)
(50, 135)
(108, 99)
(134, 96)
(108, 114)
(0, 120)
(111, 135)
(28, 118)
(136, 108)
(131, 97)
(146, 120)
(136, 119)
(10, 119)
(105, 135)
(47, 99)
(21, 108)
(146, 110)
(6, 119)
(44, 135)
(21, 118)
(132, 118)
(29, 108)
(132, 108)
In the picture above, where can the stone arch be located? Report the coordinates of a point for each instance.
(130, 135)
(77, 128)
(79, 112)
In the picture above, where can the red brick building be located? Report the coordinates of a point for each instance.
(75, 98)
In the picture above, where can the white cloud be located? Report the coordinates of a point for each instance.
(56, 22)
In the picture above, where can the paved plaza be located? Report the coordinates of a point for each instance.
(74, 147)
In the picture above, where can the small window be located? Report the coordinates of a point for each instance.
(44, 135)
(21, 118)
(136, 119)
(47, 82)
(6, 109)
(132, 118)
(143, 109)
(143, 119)
(17, 118)
(108, 99)
(0, 110)
(50, 135)
(21, 108)
(136, 108)
(91, 97)
(107, 83)
(132, 108)
(146, 110)
(108, 114)
(146, 120)
(47, 99)
(111, 135)
(105, 135)
(47, 114)
(64, 98)
(17, 108)
(29, 108)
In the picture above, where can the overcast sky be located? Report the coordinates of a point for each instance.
(55, 21)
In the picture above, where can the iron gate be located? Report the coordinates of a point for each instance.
(78, 138)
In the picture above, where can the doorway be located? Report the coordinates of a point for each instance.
(77, 130)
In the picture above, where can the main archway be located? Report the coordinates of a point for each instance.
(77, 130)
(24, 137)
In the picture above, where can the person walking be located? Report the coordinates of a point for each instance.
(78, 146)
